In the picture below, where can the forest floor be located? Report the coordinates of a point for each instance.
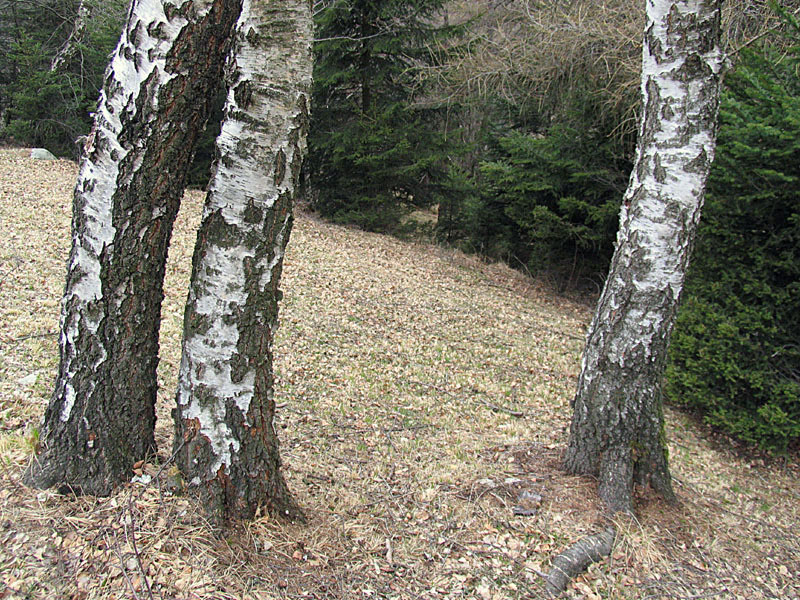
(423, 396)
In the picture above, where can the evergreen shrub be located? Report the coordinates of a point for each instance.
(47, 109)
(550, 203)
(51, 109)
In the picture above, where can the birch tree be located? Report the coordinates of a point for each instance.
(153, 105)
(226, 445)
(617, 431)
(70, 46)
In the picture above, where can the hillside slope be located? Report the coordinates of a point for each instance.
(424, 395)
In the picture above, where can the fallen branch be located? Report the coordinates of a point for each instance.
(495, 408)
(575, 559)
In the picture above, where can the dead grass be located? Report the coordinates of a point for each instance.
(424, 393)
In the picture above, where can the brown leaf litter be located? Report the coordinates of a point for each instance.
(425, 403)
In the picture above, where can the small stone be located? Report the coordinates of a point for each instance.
(28, 379)
(521, 511)
(529, 502)
(42, 154)
(529, 496)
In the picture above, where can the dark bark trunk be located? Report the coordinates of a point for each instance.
(226, 444)
(618, 427)
(154, 104)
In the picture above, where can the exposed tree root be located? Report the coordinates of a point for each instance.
(575, 559)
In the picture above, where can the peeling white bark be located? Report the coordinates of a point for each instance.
(237, 267)
(138, 57)
(663, 200)
(152, 108)
(617, 415)
(68, 49)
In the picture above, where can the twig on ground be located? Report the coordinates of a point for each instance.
(489, 405)
(136, 554)
(494, 408)
(389, 438)
(693, 597)
(431, 386)
(122, 567)
(31, 336)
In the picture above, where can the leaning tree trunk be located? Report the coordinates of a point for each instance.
(226, 445)
(70, 46)
(154, 103)
(617, 429)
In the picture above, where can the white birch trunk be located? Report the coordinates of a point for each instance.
(227, 446)
(70, 45)
(617, 427)
(153, 105)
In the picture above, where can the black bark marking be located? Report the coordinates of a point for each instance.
(658, 171)
(698, 164)
(280, 167)
(252, 37)
(252, 213)
(243, 95)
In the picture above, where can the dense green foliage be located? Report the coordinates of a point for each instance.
(550, 203)
(735, 353)
(52, 108)
(49, 108)
(555, 149)
(377, 145)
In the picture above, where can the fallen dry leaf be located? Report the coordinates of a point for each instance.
(420, 390)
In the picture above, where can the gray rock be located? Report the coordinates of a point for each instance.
(529, 502)
(42, 154)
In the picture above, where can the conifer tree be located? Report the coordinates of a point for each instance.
(375, 147)
(53, 56)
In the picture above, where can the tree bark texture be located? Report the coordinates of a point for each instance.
(617, 428)
(574, 560)
(226, 445)
(153, 106)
